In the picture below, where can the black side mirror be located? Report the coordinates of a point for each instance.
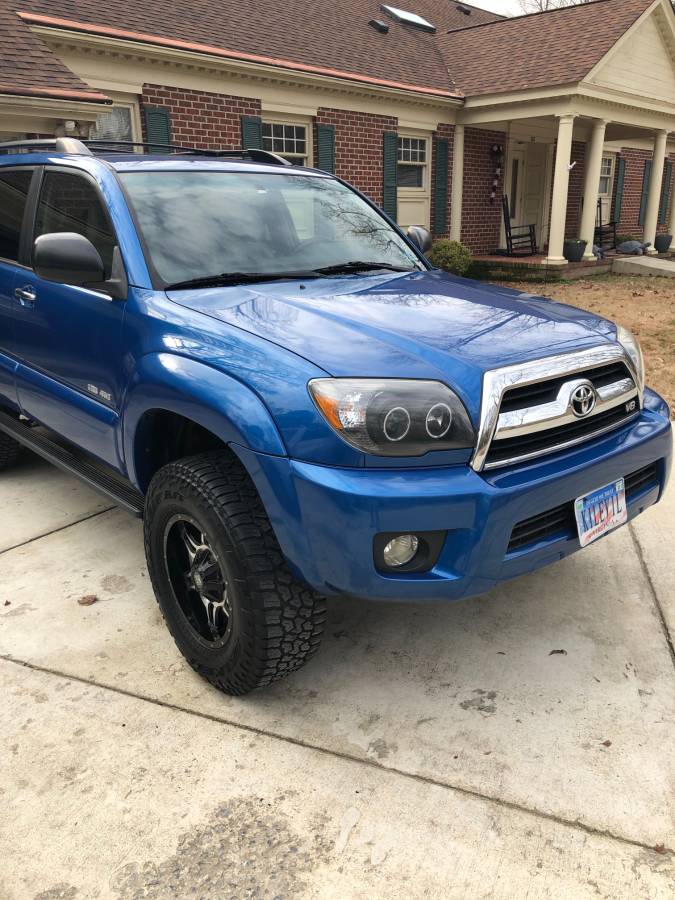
(421, 237)
(68, 258)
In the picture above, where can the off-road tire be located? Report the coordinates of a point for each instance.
(9, 451)
(276, 622)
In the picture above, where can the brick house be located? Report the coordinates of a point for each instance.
(435, 110)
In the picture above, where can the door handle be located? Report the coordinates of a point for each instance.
(26, 296)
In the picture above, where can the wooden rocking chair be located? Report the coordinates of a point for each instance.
(521, 240)
(605, 233)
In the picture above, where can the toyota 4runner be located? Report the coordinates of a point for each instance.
(256, 360)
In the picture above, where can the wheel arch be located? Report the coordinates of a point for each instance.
(176, 406)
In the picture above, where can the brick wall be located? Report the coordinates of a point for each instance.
(205, 120)
(481, 218)
(358, 147)
(632, 192)
(575, 191)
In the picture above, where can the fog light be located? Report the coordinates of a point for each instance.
(401, 550)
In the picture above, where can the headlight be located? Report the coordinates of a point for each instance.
(632, 347)
(393, 417)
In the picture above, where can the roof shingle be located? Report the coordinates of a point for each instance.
(540, 50)
(29, 68)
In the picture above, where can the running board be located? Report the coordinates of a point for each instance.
(105, 481)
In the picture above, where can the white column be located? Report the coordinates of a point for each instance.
(594, 150)
(561, 181)
(457, 194)
(654, 195)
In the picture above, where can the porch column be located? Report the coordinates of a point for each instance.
(654, 194)
(457, 194)
(591, 186)
(561, 181)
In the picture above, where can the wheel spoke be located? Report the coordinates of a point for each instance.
(192, 545)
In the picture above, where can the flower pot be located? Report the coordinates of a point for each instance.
(662, 242)
(573, 251)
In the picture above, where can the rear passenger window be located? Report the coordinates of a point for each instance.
(71, 203)
(14, 187)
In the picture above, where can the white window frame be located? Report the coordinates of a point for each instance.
(610, 175)
(424, 166)
(298, 122)
(131, 103)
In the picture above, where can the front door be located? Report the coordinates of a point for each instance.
(68, 339)
(527, 178)
(533, 187)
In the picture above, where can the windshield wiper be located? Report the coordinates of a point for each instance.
(358, 265)
(231, 278)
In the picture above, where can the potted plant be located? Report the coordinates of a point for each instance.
(573, 250)
(662, 242)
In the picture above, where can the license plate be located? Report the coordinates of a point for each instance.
(601, 511)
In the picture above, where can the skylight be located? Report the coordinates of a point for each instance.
(409, 18)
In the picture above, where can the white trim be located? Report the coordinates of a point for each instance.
(306, 122)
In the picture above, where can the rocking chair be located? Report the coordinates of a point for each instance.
(521, 240)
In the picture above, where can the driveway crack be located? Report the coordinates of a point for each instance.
(655, 596)
(662, 851)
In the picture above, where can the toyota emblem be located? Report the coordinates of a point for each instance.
(583, 400)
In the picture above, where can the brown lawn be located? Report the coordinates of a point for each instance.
(645, 305)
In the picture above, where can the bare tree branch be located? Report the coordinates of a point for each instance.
(530, 6)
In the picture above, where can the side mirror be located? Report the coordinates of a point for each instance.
(421, 237)
(68, 258)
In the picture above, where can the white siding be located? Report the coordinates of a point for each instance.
(642, 65)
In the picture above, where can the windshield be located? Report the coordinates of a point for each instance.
(199, 225)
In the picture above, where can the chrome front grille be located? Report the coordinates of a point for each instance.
(542, 406)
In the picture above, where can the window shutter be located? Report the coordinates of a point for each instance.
(620, 178)
(441, 187)
(645, 191)
(251, 133)
(325, 148)
(157, 124)
(665, 193)
(389, 165)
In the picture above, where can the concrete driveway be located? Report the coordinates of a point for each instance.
(519, 744)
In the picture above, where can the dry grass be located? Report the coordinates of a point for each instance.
(645, 305)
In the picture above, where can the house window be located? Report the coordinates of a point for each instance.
(288, 140)
(412, 162)
(114, 124)
(606, 176)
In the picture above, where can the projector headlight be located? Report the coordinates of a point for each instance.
(632, 347)
(393, 417)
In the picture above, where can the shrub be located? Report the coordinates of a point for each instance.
(452, 256)
(624, 238)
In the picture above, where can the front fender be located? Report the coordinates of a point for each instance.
(207, 396)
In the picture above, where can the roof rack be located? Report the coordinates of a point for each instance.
(70, 146)
(58, 145)
(264, 156)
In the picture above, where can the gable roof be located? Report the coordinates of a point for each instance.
(468, 55)
(332, 35)
(29, 68)
(539, 50)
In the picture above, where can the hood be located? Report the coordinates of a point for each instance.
(422, 325)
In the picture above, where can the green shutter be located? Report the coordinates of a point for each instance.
(441, 187)
(390, 167)
(251, 133)
(157, 125)
(645, 191)
(665, 193)
(620, 178)
(325, 148)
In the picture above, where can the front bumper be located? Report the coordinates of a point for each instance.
(326, 518)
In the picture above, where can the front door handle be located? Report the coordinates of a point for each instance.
(26, 295)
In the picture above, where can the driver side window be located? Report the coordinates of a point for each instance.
(70, 202)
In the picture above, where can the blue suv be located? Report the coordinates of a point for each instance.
(255, 359)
